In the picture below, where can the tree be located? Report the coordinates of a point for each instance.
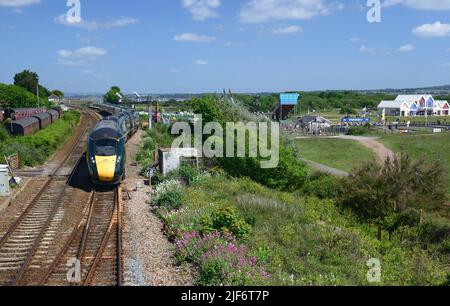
(111, 96)
(28, 80)
(17, 97)
(58, 93)
(377, 192)
(44, 92)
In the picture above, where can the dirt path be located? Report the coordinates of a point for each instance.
(148, 255)
(371, 143)
(325, 169)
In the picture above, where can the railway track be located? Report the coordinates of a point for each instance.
(27, 241)
(92, 255)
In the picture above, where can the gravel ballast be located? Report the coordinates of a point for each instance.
(148, 255)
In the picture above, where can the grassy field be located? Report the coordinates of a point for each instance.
(431, 147)
(336, 153)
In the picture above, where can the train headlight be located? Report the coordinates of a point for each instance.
(93, 160)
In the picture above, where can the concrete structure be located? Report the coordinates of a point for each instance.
(170, 159)
(414, 105)
(4, 181)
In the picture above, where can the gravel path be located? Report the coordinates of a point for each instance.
(148, 255)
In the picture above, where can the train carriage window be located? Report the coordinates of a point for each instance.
(105, 147)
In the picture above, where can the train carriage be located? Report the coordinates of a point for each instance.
(54, 115)
(44, 120)
(21, 113)
(24, 127)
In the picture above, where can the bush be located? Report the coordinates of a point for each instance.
(358, 131)
(189, 173)
(169, 194)
(290, 173)
(322, 185)
(148, 144)
(4, 135)
(348, 111)
(222, 261)
(227, 219)
(376, 192)
(434, 231)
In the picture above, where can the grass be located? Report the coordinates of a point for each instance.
(336, 153)
(300, 240)
(431, 147)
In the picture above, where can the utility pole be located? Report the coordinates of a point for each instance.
(150, 115)
(37, 93)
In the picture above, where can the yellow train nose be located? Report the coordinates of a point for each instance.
(106, 166)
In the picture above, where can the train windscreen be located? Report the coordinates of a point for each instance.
(105, 147)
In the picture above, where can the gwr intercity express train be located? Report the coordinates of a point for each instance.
(106, 154)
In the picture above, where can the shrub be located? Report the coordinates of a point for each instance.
(169, 194)
(148, 144)
(434, 231)
(348, 111)
(4, 135)
(322, 185)
(290, 173)
(222, 261)
(375, 192)
(189, 173)
(358, 131)
(226, 219)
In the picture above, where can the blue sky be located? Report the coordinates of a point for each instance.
(168, 46)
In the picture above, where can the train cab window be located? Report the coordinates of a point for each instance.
(105, 147)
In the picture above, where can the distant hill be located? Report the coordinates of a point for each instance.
(434, 90)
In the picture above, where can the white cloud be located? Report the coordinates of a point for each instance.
(356, 40)
(288, 30)
(201, 62)
(97, 25)
(174, 70)
(366, 49)
(256, 11)
(18, 3)
(202, 9)
(436, 29)
(446, 65)
(437, 5)
(88, 72)
(406, 48)
(192, 37)
(80, 56)
(231, 44)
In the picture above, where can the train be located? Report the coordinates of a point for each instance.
(27, 121)
(106, 153)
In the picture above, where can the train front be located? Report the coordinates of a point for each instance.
(106, 154)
